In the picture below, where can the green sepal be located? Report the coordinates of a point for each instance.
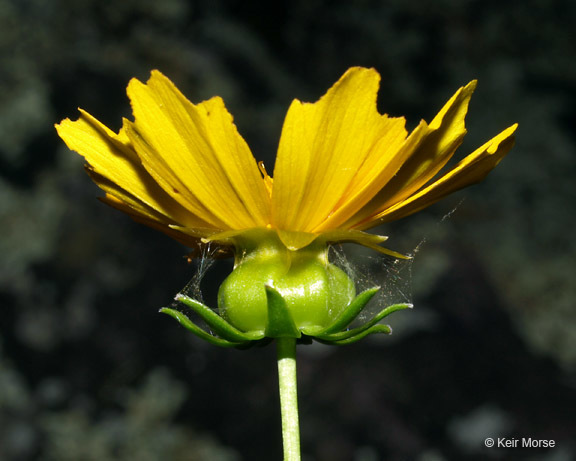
(189, 325)
(344, 335)
(219, 325)
(386, 329)
(348, 315)
(280, 323)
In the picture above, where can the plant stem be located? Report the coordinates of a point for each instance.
(286, 348)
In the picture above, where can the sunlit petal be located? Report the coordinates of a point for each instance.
(115, 167)
(323, 147)
(435, 145)
(196, 152)
(470, 170)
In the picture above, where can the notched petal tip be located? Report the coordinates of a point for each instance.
(362, 72)
(332, 145)
(508, 135)
(471, 85)
(155, 73)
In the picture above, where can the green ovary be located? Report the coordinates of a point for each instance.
(315, 291)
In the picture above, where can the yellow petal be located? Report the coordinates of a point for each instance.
(387, 157)
(323, 147)
(115, 167)
(139, 215)
(116, 193)
(168, 182)
(361, 238)
(470, 170)
(268, 181)
(435, 145)
(196, 152)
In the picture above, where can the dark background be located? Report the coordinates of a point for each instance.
(90, 371)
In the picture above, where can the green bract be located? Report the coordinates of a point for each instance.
(274, 292)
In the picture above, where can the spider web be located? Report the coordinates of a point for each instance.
(203, 264)
(368, 269)
(365, 268)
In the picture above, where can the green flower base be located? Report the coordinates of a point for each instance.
(280, 323)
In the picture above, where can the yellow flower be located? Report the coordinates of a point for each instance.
(341, 167)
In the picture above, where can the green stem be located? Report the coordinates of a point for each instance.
(288, 397)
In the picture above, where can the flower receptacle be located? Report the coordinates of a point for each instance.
(313, 290)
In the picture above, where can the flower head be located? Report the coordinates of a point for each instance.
(341, 167)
